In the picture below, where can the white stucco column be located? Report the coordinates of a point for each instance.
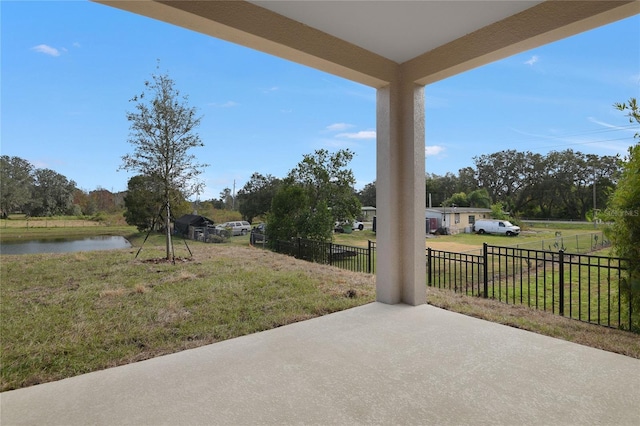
(400, 194)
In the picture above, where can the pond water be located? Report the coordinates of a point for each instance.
(64, 245)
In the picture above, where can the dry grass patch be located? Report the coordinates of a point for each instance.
(450, 246)
(115, 292)
(172, 313)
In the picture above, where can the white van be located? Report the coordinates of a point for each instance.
(494, 226)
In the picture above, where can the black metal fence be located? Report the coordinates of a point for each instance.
(578, 286)
(583, 287)
(460, 272)
(357, 259)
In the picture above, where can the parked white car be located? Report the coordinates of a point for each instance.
(494, 226)
(238, 227)
(358, 225)
(355, 225)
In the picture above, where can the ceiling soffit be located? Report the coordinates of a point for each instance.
(398, 30)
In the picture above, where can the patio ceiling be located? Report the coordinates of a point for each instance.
(398, 30)
(365, 41)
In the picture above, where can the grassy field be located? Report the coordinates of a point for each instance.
(19, 228)
(8, 235)
(67, 314)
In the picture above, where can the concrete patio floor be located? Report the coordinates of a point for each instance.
(375, 364)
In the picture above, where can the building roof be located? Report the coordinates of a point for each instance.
(183, 222)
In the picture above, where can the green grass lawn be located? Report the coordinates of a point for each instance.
(68, 314)
(356, 238)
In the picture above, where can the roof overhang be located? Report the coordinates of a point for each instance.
(369, 42)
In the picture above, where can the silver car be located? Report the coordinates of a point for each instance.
(238, 227)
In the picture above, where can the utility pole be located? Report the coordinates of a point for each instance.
(233, 196)
(197, 204)
(595, 223)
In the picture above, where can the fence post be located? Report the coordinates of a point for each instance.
(299, 248)
(485, 272)
(429, 281)
(561, 282)
(369, 259)
(330, 253)
(630, 304)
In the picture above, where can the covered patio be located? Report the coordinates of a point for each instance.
(396, 361)
(375, 364)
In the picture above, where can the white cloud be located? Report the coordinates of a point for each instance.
(602, 123)
(559, 141)
(363, 134)
(76, 44)
(338, 127)
(532, 60)
(271, 89)
(631, 129)
(430, 151)
(47, 50)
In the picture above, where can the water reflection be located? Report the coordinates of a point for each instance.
(65, 245)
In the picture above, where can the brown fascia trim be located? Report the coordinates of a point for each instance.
(544, 23)
(258, 28)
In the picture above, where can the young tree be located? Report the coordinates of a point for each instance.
(162, 133)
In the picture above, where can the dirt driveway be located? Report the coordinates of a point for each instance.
(449, 246)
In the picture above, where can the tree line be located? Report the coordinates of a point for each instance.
(45, 192)
(557, 185)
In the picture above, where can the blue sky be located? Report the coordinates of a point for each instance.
(70, 68)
